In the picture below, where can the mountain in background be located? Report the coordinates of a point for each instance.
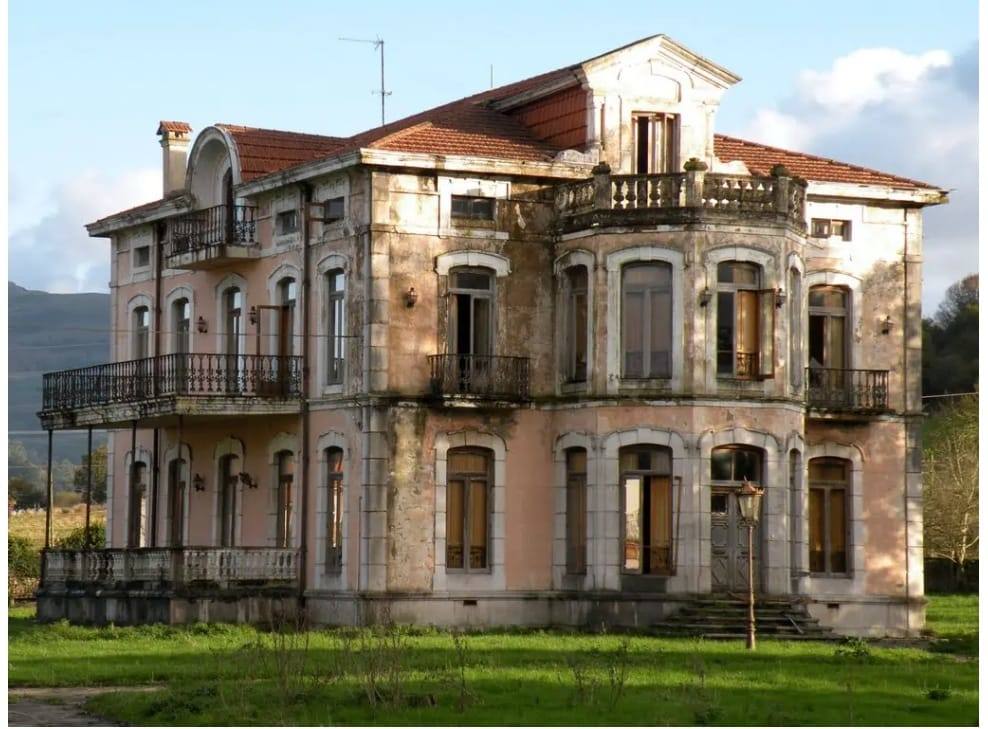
(49, 332)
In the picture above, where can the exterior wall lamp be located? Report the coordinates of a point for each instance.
(886, 324)
(750, 506)
(201, 326)
(252, 315)
(411, 296)
(780, 298)
(247, 480)
(198, 482)
(705, 296)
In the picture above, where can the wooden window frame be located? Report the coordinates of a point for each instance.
(228, 479)
(142, 332)
(574, 294)
(647, 292)
(286, 222)
(284, 496)
(576, 563)
(824, 227)
(661, 159)
(831, 313)
(827, 487)
(622, 505)
(490, 294)
(467, 478)
(762, 359)
(473, 208)
(334, 510)
(335, 326)
(735, 482)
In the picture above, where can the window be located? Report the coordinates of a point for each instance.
(823, 228)
(745, 322)
(736, 464)
(469, 207)
(334, 510)
(233, 302)
(468, 497)
(287, 294)
(286, 222)
(229, 480)
(828, 479)
(576, 511)
(142, 256)
(576, 324)
(137, 536)
(336, 326)
(828, 327)
(176, 501)
(646, 320)
(656, 143)
(646, 496)
(471, 320)
(286, 476)
(332, 210)
(182, 326)
(795, 328)
(142, 332)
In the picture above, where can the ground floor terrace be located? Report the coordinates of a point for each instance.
(578, 515)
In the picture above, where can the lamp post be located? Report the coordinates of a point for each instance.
(749, 504)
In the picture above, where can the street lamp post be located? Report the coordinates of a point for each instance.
(749, 504)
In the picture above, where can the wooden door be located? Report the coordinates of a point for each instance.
(729, 544)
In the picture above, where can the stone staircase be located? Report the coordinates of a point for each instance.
(726, 617)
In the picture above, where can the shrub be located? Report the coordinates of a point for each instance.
(66, 499)
(23, 558)
(76, 539)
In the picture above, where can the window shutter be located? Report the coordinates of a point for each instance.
(766, 333)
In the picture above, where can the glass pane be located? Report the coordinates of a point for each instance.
(661, 335)
(718, 503)
(467, 462)
(481, 326)
(738, 273)
(478, 524)
(472, 280)
(818, 325)
(835, 359)
(828, 469)
(659, 520)
(628, 458)
(747, 465)
(631, 334)
(576, 524)
(721, 464)
(817, 520)
(632, 524)
(725, 333)
(578, 332)
(334, 460)
(454, 524)
(577, 277)
(576, 460)
(838, 531)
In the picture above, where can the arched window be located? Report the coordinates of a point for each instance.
(334, 510)
(646, 321)
(745, 322)
(576, 511)
(142, 332)
(471, 313)
(575, 354)
(646, 505)
(828, 335)
(736, 464)
(181, 326)
(795, 328)
(285, 461)
(468, 509)
(137, 527)
(175, 514)
(828, 518)
(335, 326)
(730, 467)
(233, 322)
(228, 483)
(287, 295)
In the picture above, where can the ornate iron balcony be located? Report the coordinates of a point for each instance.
(844, 390)
(480, 375)
(207, 236)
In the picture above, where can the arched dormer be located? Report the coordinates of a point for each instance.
(214, 168)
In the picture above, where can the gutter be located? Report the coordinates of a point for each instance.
(305, 195)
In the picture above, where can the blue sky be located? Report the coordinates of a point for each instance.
(89, 82)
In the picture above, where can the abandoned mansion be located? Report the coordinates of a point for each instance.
(508, 362)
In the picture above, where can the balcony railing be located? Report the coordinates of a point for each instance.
(185, 374)
(847, 390)
(482, 375)
(178, 566)
(675, 196)
(206, 233)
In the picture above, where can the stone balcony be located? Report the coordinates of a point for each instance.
(154, 389)
(696, 195)
(216, 236)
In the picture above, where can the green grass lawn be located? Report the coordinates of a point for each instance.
(223, 674)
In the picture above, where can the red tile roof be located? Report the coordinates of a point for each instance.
(263, 151)
(760, 158)
(175, 127)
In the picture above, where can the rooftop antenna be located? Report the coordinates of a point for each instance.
(492, 75)
(378, 43)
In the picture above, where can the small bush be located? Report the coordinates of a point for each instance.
(76, 539)
(853, 648)
(938, 694)
(66, 499)
(23, 558)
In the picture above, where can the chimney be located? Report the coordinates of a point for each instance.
(174, 154)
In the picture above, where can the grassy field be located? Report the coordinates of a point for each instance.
(30, 523)
(224, 674)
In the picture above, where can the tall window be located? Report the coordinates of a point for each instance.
(287, 294)
(736, 464)
(142, 332)
(576, 511)
(576, 324)
(176, 501)
(182, 326)
(233, 302)
(656, 143)
(334, 509)
(472, 312)
(286, 476)
(137, 536)
(646, 495)
(229, 480)
(336, 326)
(646, 322)
(828, 479)
(795, 328)
(828, 327)
(745, 322)
(468, 496)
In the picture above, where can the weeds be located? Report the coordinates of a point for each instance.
(853, 648)
(600, 675)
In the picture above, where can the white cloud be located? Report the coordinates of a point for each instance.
(914, 115)
(55, 253)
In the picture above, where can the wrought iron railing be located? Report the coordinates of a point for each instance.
(222, 566)
(475, 374)
(847, 390)
(230, 375)
(210, 229)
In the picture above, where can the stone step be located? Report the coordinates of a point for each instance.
(740, 628)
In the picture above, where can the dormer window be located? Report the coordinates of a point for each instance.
(286, 222)
(824, 228)
(656, 143)
(470, 207)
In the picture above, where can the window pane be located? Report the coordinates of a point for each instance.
(747, 465)
(578, 334)
(478, 524)
(836, 325)
(481, 326)
(644, 275)
(661, 335)
(467, 462)
(632, 523)
(721, 464)
(576, 461)
(454, 524)
(838, 531)
(659, 532)
(817, 520)
(631, 334)
(577, 277)
(828, 469)
(718, 503)
(725, 333)
(472, 280)
(334, 460)
(576, 524)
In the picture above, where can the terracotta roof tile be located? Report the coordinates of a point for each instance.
(263, 151)
(175, 127)
(142, 207)
(760, 158)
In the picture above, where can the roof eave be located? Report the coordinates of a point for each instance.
(166, 207)
(824, 190)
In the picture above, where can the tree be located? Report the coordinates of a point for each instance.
(99, 475)
(950, 484)
(950, 341)
(26, 494)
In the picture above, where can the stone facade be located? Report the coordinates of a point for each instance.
(398, 243)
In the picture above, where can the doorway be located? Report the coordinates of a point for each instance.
(729, 544)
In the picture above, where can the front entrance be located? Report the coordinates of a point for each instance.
(729, 544)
